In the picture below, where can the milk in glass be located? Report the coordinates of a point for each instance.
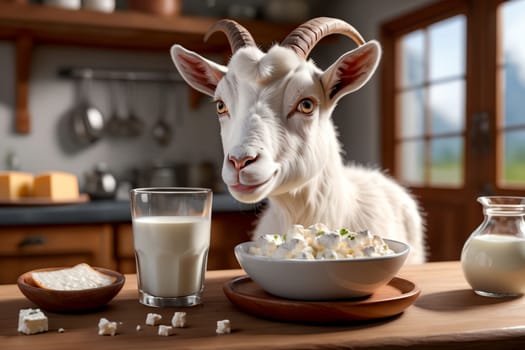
(171, 254)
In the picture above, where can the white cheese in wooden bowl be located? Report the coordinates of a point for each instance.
(78, 277)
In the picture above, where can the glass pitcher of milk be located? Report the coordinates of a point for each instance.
(493, 257)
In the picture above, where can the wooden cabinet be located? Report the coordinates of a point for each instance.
(25, 248)
(227, 230)
(125, 254)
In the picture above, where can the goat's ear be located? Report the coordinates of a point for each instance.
(351, 71)
(201, 74)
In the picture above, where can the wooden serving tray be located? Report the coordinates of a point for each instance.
(390, 300)
(37, 201)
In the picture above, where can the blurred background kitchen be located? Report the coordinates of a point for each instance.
(191, 136)
(444, 114)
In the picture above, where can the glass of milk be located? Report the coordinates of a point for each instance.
(171, 236)
(493, 257)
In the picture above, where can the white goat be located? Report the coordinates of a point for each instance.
(279, 139)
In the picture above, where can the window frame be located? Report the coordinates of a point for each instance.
(451, 214)
(482, 100)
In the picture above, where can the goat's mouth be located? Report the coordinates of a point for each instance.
(241, 191)
(240, 188)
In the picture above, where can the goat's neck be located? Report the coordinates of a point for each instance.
(314, 201)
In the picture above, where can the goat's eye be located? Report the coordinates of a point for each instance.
(306, 106)
(221, 107)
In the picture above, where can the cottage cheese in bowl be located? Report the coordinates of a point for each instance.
(318, 242)
(318, 263)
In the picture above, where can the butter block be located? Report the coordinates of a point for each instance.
(32, 321)
(15, 185)
(56, 186)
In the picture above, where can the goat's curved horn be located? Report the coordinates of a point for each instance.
(303, 39)
(237, 35)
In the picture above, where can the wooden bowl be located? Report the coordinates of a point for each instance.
(70, 301)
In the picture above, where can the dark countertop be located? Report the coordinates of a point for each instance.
(96, 211)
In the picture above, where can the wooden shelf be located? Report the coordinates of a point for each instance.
(122, 29)
(30, 25)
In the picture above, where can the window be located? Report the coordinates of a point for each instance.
(431, 104)
(453, 111)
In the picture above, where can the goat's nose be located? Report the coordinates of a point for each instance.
(241, 163)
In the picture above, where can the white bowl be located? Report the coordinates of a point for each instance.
(322, 279)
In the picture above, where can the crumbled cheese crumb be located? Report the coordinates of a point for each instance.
(153, 319)
(223, 327)
(106, 327)
(32, 321)
(138, 328)
(179, 320)
(165, 331)
(61, 330)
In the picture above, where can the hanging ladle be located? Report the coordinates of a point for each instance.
(162, 131)
(134, 125)
(114, 125)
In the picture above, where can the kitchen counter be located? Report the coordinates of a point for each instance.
(447, 314)
(99, 211)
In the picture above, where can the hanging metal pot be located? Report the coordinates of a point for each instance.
(87, 122)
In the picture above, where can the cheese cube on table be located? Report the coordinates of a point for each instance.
(179, 320)
(165, 331)
(32, 321)
(15, 185)
(223, 327)
(153, 319)
(105, 327)
(56, 186)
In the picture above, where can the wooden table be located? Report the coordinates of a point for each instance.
(447, 314)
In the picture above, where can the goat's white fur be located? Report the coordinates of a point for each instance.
(296, 157)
